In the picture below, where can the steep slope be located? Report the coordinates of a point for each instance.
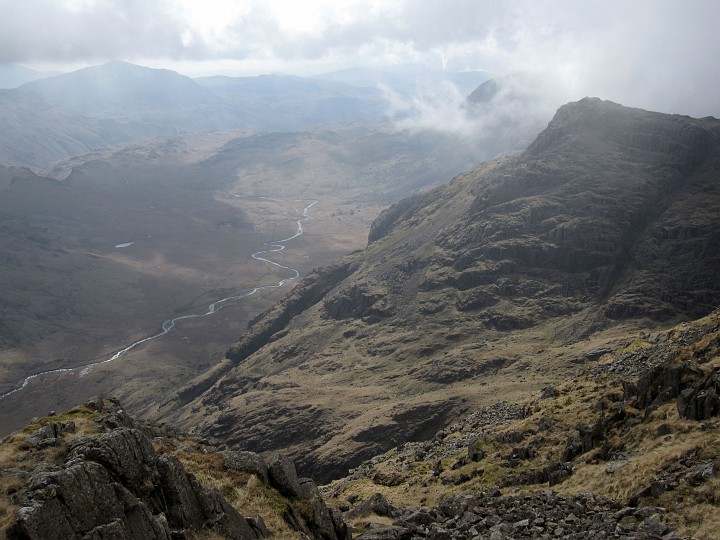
(499, 282)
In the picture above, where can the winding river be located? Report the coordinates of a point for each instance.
(273, 246)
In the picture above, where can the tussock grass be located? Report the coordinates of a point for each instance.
(8, 511)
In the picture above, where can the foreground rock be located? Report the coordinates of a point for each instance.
(544, 515)
(99, 476)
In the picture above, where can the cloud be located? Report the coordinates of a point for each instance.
(652, 53)
(51, 30)
(503, 115)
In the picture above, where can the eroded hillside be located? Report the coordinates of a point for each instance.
(507, 279)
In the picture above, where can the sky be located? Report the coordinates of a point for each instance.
(656, 54)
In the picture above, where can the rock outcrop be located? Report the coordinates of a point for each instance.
(115, 484)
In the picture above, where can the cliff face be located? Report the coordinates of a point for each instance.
(500, 281)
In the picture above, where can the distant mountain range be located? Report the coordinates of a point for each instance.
(13, 75)
(68, 114)
(409, 81)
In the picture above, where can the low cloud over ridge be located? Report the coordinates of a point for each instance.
(657, 54)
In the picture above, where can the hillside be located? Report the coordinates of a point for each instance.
(629, 448)
(503, 281)
(34, 133)
(187, 212)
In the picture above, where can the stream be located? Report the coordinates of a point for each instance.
(273, 246)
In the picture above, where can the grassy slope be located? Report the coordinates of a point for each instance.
(642, 446)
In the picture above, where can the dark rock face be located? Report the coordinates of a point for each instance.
(602, 223)
(116, 486)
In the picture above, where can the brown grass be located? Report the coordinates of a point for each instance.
(249, 495)
(8, 511)
(691, 510)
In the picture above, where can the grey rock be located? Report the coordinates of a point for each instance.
(475, 451)
(386, 533)
(258, 526)
(126, 453)
(283, 476)
(248, 462)
(114, 486)
(647, 511)
(653, 526)
(377, 504)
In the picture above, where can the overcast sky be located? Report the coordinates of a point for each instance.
(657, 54)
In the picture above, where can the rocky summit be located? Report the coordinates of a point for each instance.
(509, 278)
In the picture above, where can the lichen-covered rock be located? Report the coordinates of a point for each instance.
(83, 500)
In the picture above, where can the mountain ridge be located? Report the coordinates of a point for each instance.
(521, 266)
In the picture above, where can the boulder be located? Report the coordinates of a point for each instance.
(115, 486)
(376, 504)
(248, 462)
(283, 476)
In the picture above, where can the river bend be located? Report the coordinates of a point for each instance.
(273, 246)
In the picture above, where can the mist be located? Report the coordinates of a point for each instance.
(658, 54)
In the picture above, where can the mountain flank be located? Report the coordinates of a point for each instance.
(627, 449)
(510, 277)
